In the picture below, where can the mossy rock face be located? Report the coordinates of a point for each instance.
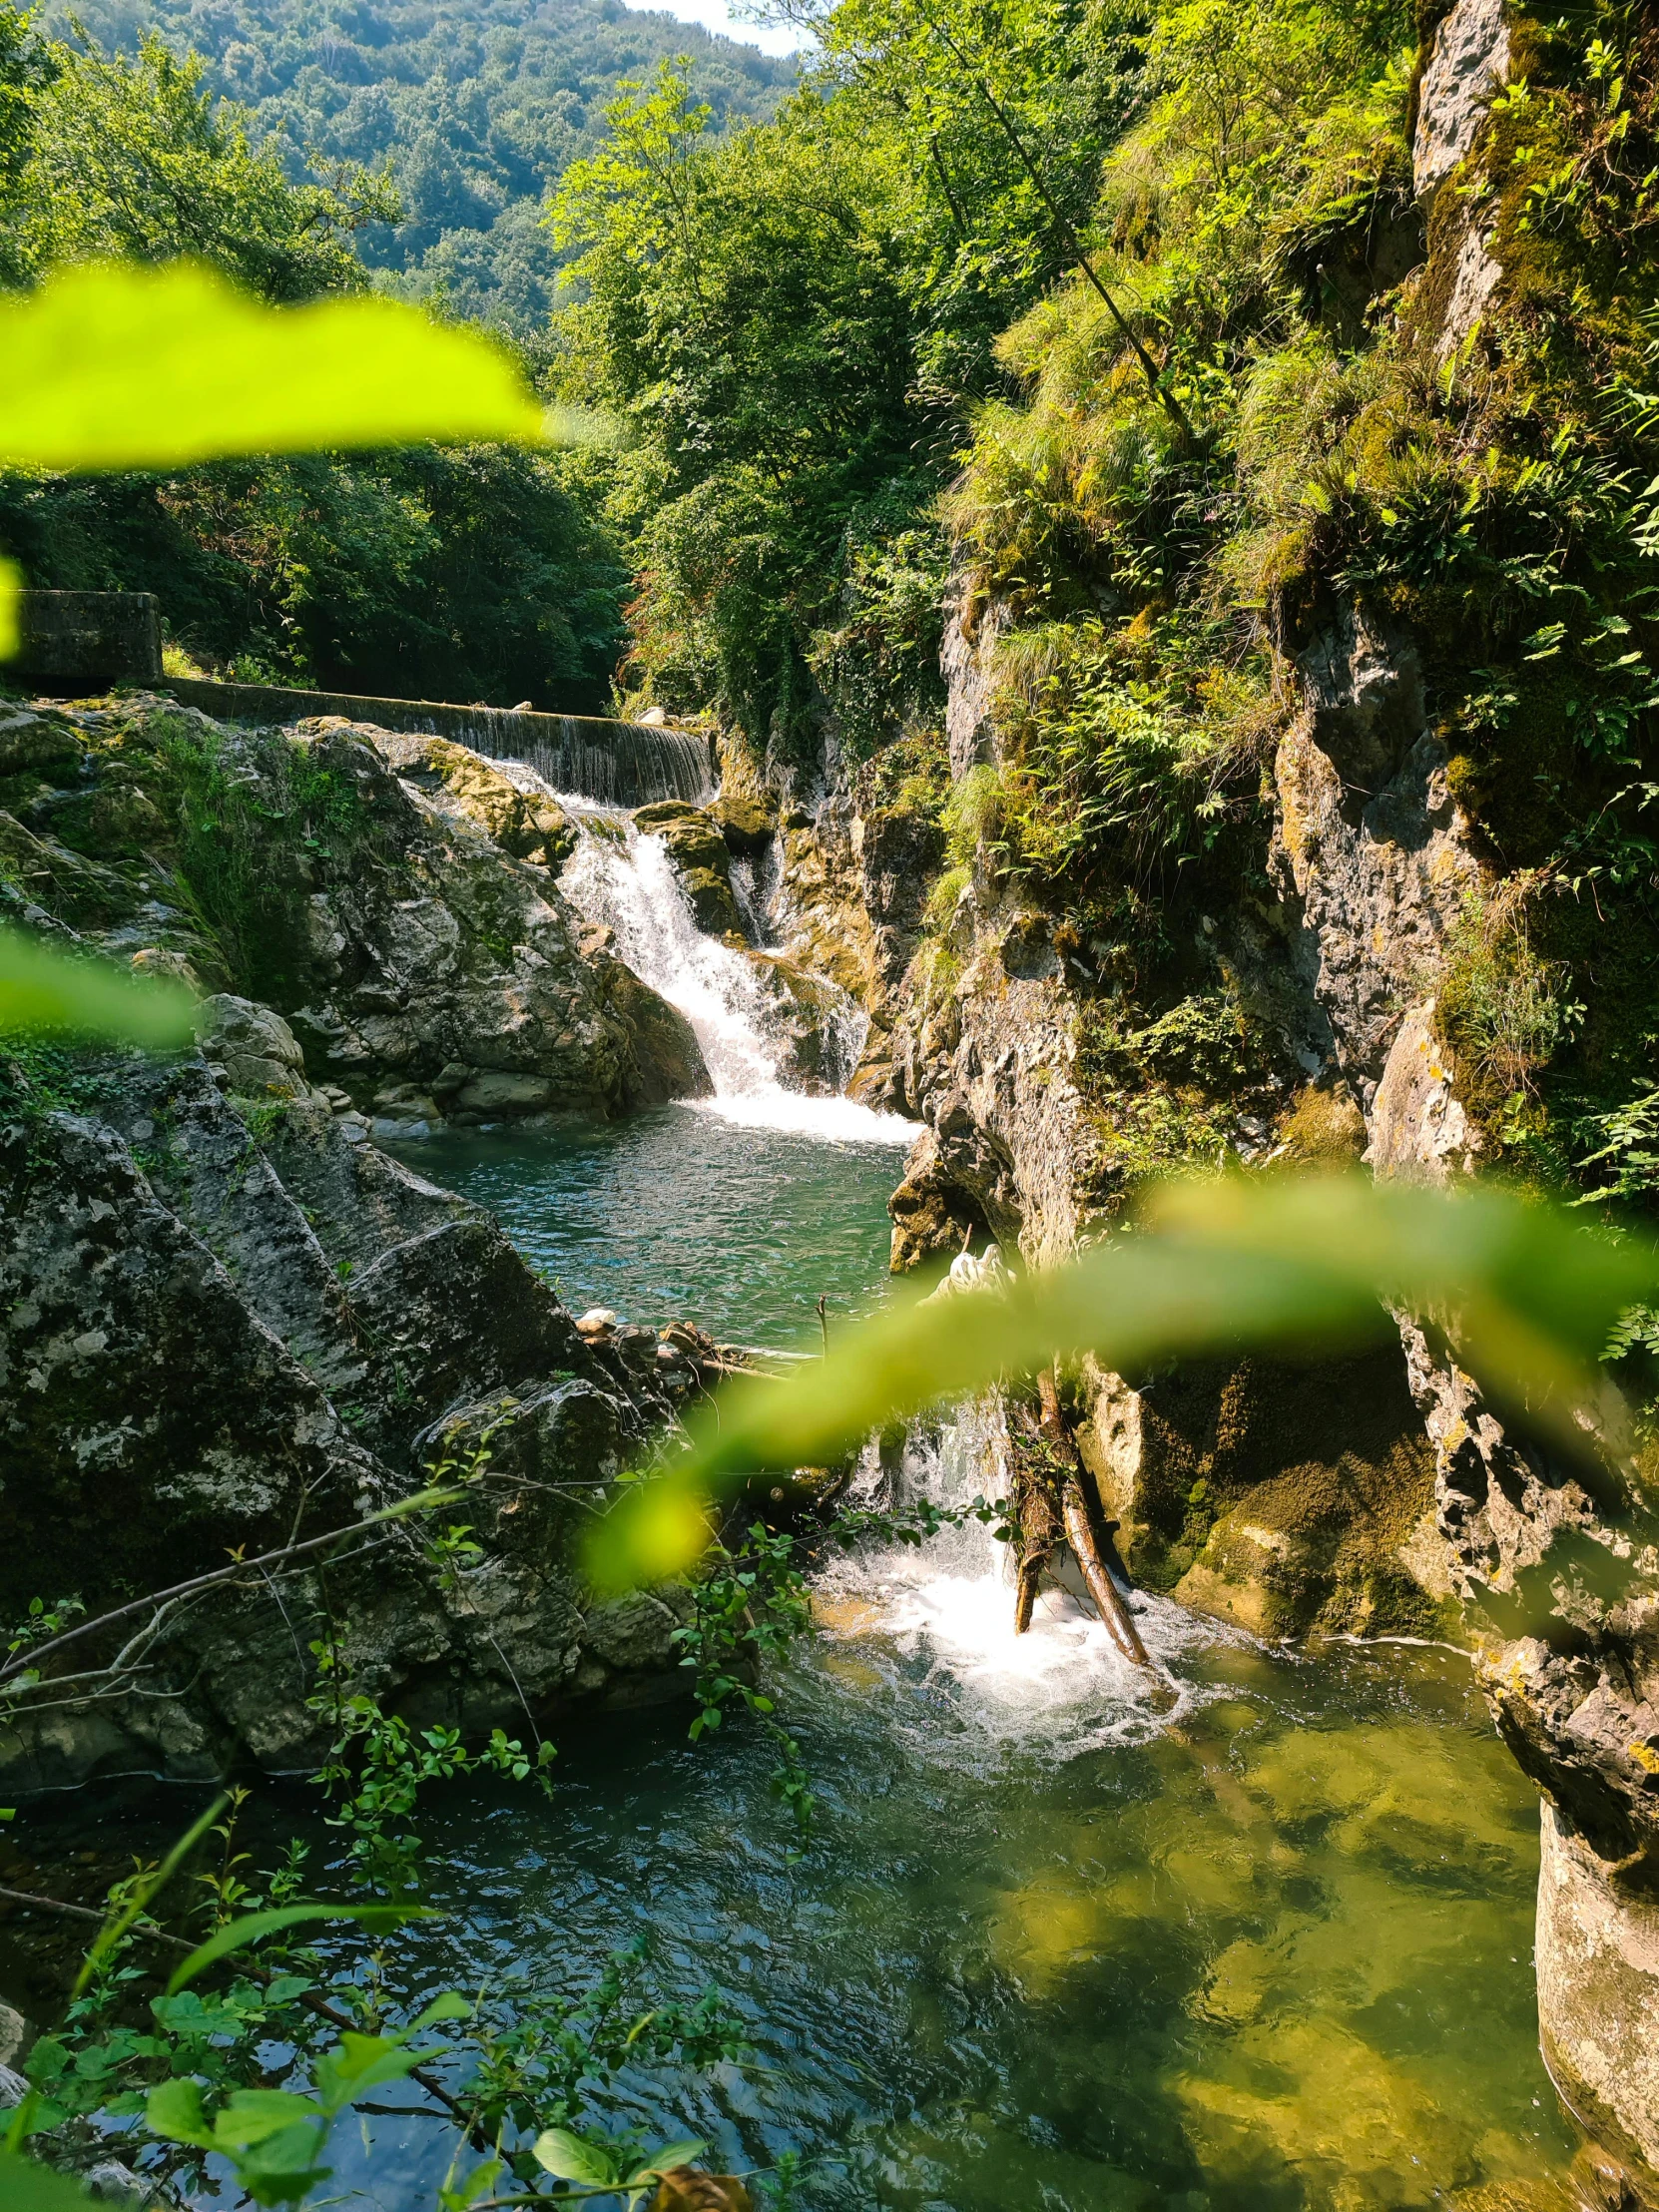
(1290, 1498)
(527, 825)
(713, 902)
(812, 1013)
(748, 820)
(227, 1325)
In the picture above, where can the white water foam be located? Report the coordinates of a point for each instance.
(624, 879)
(949, 1603)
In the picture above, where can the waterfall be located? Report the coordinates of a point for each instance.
(624, 879)
(619, 763)
(949, 1604)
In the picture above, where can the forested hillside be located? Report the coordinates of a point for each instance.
(467, 572)
(472, 109)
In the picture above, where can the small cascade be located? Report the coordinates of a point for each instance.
(949, 1603)
(625, 879)
(617, 763)
(755, 881)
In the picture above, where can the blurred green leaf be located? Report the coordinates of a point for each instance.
(47, 992)
(243, 1933)
(1526, 1295)
(258, 2115)
(116, 367)
(174, 2111)
(26, 2187)
(11, 609)
(450, 2006)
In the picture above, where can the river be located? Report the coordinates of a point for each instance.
(1052, 1946)
(1055, 1943)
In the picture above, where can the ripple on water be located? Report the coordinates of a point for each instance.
(676, 1212)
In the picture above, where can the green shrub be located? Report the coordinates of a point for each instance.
(1504, 1011)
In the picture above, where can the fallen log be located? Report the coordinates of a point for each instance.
(1109, 1600)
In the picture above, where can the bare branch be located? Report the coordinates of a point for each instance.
(24, 1661)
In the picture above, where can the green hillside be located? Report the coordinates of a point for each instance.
(475, 106)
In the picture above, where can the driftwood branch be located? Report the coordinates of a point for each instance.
(1114, 1612)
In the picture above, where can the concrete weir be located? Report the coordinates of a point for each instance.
(621, 763)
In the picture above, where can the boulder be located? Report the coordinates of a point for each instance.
(702, 860)
(259, 1053)
(226, 1327)
(525, 823)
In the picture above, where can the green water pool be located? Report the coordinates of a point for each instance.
(1055, 1948)
(1048, 1949)
(681, 1213)
(1276, 1957)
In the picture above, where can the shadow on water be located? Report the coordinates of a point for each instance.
(1276, 1957)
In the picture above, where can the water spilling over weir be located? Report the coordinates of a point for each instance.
(619, 763)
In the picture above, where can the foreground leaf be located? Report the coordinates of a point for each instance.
(358, 2064)
(568, 2158)
(47, 993)
(111, 367)
(11, 610)
(1301, 1265)
(667, 2155)
(174, 2111)
(251, 1928)
(26, 2187)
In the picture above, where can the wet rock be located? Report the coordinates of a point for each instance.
(822, 1028)
(1598, 2001)
(1288, 1498)
(668, 1060)
(702, 862)
(747, 820)
(526, 823)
